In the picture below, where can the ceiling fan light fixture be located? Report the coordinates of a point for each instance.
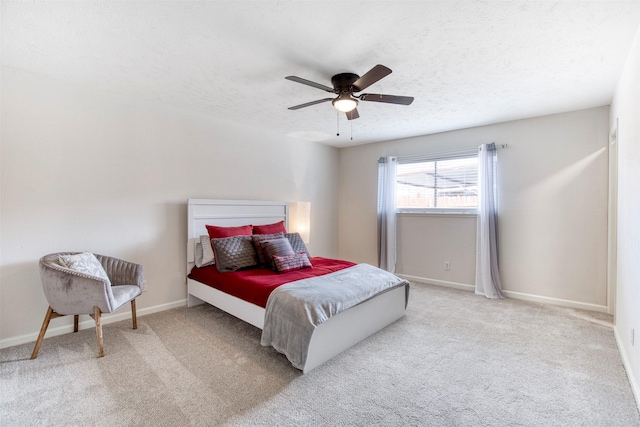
(345, 103)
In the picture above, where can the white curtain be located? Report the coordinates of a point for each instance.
(487, 274)
(387, 213)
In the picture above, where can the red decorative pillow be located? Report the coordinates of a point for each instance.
(216, 232)
(292, 262)
(276, 227)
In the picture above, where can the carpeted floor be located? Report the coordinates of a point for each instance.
(455, 359)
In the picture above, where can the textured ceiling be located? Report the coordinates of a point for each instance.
(467, 63)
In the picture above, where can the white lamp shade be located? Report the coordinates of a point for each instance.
(300, 219)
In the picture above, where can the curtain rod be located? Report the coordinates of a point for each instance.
(501, 145)
(442, 154)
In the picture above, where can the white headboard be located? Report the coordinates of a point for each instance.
(229, 213)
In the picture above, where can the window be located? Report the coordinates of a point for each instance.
(443, 185)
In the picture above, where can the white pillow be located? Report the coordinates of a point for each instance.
(86, 263)
(204, 252)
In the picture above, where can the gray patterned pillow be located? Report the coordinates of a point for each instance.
(85, 263)
(257, 239)
(297, 244)
(276, 247)
(234, 253)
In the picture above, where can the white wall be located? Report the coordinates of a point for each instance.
(84, 170)
(626, 108)
(425, 243)
(552, 205)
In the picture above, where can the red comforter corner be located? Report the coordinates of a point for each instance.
(256, 285)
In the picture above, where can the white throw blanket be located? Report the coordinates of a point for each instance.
(294, 310)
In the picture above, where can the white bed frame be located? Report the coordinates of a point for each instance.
(330, 338)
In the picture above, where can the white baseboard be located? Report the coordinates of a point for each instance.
(627, 367)
(557, 301)
(437, 282)
(512, 294)
(89, 323)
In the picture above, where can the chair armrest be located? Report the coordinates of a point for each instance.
(122, 272)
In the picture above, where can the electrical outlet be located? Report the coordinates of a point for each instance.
(447, 265)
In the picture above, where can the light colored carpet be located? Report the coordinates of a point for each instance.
(455, 359)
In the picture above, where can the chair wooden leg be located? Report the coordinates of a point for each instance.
(75, 322)
(133, 314)
(45, 325)
(98, 319)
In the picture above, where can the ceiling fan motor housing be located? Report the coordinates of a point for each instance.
(343, 82)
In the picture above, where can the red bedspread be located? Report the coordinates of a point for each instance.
(256, 285)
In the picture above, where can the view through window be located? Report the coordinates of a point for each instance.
(443, 185)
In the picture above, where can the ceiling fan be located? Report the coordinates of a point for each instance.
(345, 84)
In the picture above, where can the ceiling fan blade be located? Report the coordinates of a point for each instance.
(389, 99)
(309, 83)
(308, 104)
(370, 77)
(353, 114)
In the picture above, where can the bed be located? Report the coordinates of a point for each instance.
(329, 338)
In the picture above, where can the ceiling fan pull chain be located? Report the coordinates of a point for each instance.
(352, 130)
(338, 123)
